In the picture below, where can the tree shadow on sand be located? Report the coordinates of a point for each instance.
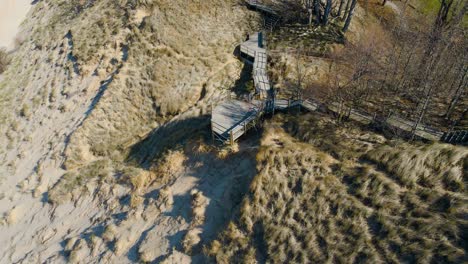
(224, 181)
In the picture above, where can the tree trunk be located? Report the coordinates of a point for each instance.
(423, 113)
(328, 8)
(350, 15)
(405, 67)
(348, 3)
(442, 15)
(310, 10)
(340, 9)
(384, 2)
(458, 94)
(317, 12)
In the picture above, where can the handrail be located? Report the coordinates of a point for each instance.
(218, 125)
(247, 50)
(260, 57)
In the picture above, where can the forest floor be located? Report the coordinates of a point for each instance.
(323, 59)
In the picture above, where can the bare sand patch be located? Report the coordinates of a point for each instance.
(12, 13)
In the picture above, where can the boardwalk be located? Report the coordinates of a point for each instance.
(231, 119)
(254, 48)
(392, 121)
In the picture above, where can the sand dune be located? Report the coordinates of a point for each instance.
(12, 13)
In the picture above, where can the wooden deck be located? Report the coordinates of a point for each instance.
(421, 131)
(455, 137)
(250, 47)
(231, 119)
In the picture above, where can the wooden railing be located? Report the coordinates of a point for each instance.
(455, 137)
(271, 103)
(246, 50)
(259, 6)
(233, 133)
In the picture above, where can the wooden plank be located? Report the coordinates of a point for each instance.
(260, 63)
(310, 106)
(250, 47)
(229, 119)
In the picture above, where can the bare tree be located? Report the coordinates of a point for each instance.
(349, 14)
(317, 11)
(340, 8)
(459, 92)
(300, 74)
(327, 12)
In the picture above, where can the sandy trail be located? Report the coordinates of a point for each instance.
(12, 13)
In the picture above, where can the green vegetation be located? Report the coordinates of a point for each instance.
(428, 6)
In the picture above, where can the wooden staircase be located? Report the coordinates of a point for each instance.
(232, 119)
(270, 17)
(270, 22)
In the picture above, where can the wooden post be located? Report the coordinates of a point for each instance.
(272, 106)
(212, 133)
(444, 137)
(231, 138)
(260, 39)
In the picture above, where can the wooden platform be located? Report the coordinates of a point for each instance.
(408, 126)
(231, 119)
(250, 47)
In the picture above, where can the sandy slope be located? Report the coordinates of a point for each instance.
(12, 12)
(32, 148)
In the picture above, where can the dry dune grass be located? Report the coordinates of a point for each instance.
(86, 179)
(163, 171)
(167, 67)
(178, 58)
(437, 166)
(306, 204)
(74, 183)
(4, 60)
